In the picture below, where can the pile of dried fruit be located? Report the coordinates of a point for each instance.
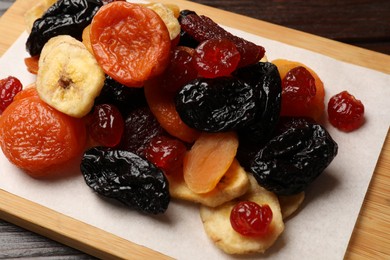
(159, 103)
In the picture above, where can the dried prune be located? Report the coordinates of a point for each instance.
(126, 177)
(141, 127)
(294, 157)
(68, 17)
(185, 38)
(265, 79)
(124, 98)
(214, 105)
(248, 101)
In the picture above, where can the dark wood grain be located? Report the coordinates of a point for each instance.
(362, 23)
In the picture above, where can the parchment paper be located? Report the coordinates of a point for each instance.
(322, 227)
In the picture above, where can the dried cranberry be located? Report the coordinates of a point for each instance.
(106, 125)
(298, 90)
(141, 127)
(9, 87)
(166, 153)
(250, 219)
(216, 58)
(345, 112)
(180, 71)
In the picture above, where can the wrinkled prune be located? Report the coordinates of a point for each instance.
(214, 105)
(124, 98)
(126, 177)
(68, 17)
(265, 79)
(294, 158)
(141, 126)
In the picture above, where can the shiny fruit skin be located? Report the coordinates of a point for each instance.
(251, 219)
(345, 112)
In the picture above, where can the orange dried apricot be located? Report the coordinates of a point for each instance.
(162, 105)
(37, 138)
(32, 64)
(315, 106)
(208, 160)
(130, 42)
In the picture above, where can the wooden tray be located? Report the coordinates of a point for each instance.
(371, 235)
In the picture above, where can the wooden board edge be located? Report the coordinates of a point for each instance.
(66, 230)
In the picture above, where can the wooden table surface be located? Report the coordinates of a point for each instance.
(358, 22)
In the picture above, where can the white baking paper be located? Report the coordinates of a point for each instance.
(322, 227)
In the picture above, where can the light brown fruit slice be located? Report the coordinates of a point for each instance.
(233, 184)
(208, 160)
(290, 204)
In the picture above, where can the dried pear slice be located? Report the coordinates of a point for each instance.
(216, 222)
(233, 184)
(290, 204)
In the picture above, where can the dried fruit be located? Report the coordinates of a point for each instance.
(265, 80)
(124, 98)
(65, 17)
(126, 177)
(166, 153)
(69, 78)
(208, 160)
(180, 71)
(345, 112)
(299, 98)
(162, 105)
(38, 138)
(215, 105)
(106, 125)
(216, 58)
(140, 128)
(294, 158)
(32, 64)
(216, 222)
(202, 28)
(251, 219)
(9, 87)
(130, 42)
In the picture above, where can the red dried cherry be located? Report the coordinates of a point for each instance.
(250, 219)
(9, 87)
(298, 90)
(106, 125)
(166, 153)
(345, 112)
(180, 70)
(216, 58)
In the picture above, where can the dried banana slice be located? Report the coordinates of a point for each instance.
(69, 78)
(217, 225)
(167, 14)
(290, 204)
(233, 184)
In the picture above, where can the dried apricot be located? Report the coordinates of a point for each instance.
(130, 42)
(37, 138)
(162, 105)
(32, 64)
(208, 160)
(311, 102)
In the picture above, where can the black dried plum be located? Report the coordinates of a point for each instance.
(126, 177)
(294, 157)
(68, 17)
(124, 98)
(218, 104)
(141, 126)
(265, 79)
